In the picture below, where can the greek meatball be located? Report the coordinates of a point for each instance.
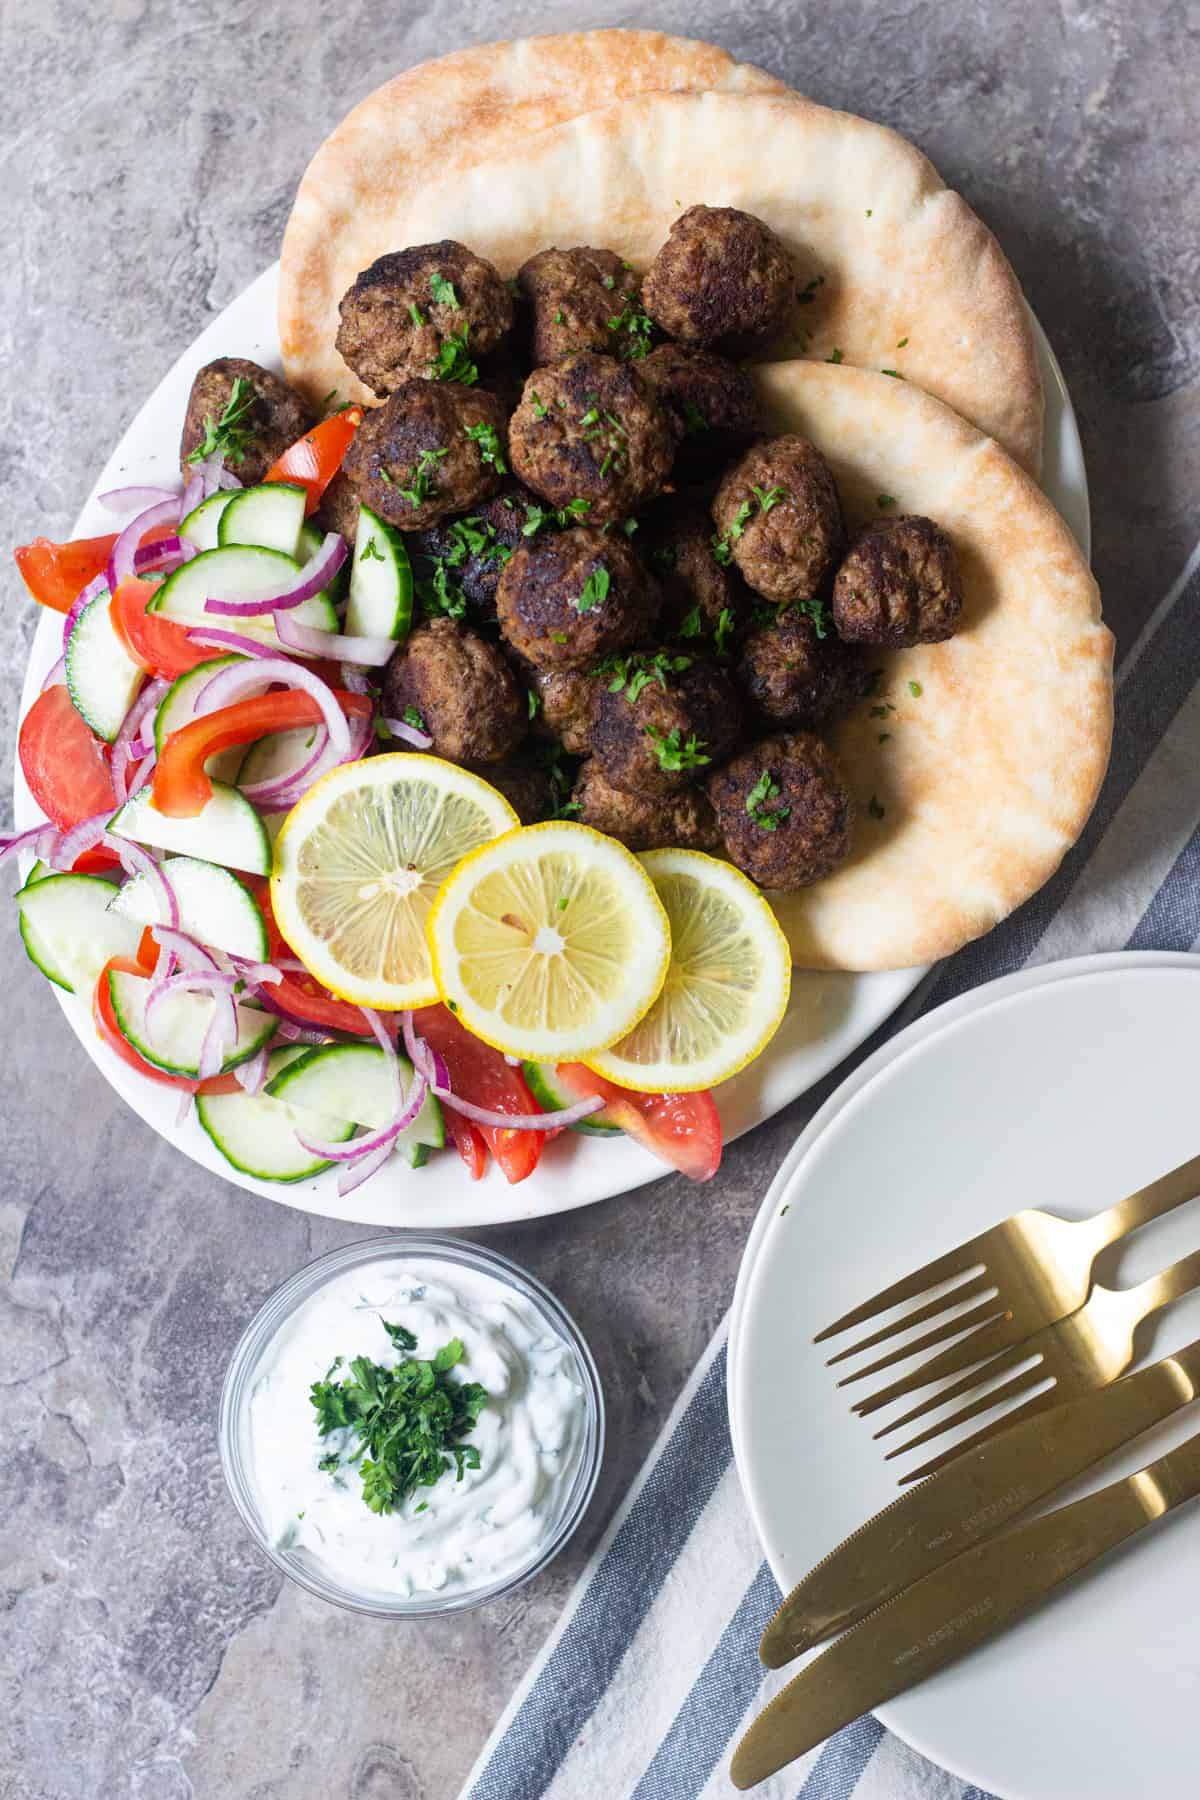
(659, 732)
(685, 821)
(431, 450)
(462, 688)
(705, 602)
(422, 312)
(899, 585)
(565, 701)
(567, 600)
(779, 518)
(262, 419)
(474, 549)
(339, 508)
(589, 428)
(784, 811)
(713, 402)
(579, 300)
(792, 675)
(722, 280)
(525, 785)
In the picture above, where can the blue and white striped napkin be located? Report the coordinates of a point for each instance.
(614, 1708)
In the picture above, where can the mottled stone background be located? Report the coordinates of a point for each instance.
(147, 160)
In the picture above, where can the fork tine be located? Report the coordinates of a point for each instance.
(965, 1260)
(965, 1385)
(984, 1342)
(1016, 1384)
(955, 1297)
(1038, 1403)
(980, 1315)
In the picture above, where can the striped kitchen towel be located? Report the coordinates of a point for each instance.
(617, 1707)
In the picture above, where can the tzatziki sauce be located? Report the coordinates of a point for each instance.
(454, 1535)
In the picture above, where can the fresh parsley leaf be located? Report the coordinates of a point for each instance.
(439, 594)
(420, 477)
(540, 409)
(768, 497)
(629, 526)
(534, 701)
(674, 755)
(595, 589)
(443, 292)
(722, 547)
(902, 343)
(416, 315)
(329, 1465)
(538, 516)
(818, 612)
(915, 689)
(230, 435)
(836, 357)
(487, 440)
(400, 1335)
(692, 624)
(726, 621)
(453, 360)
(895, 373)
(760, 803)
(560, 317)
(371, 552)
(412, 717)
(636, 328)
(883, 501)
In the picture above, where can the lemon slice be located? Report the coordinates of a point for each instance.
(359, 860)
(549, 942)
(726, 989)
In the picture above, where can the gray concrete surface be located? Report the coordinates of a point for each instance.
(147, 159)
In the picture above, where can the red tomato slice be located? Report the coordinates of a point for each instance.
(106, 1026)
(65, 764)
(683, 1129)
(480, 1074)
(302, 995)
(468, 1141)
(160, 646)
(56, 574)
(313, 460)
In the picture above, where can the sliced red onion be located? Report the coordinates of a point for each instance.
(122, 558)
(40, 840)
(354, 680)
(295, 1033)
(420, 740)
(166, 555)
(182, 944)
(316, 574)
(257, 974)
(387, 1043)
(385, 1137)
(145, 770)
(193, 494)
(353, 1174)
(213, 637)
(373, 651)
(56, 676)
(252, 1075)
(95, 587)
(226, 479)
(417, 1048)
(84, 836)
(239, 679)
(186, 1101)
(222, 1030)
(213, 475)
(550, 1121)
(146, 702)
(137, 861)
(269, 793)
(135, 499)
(188, 981)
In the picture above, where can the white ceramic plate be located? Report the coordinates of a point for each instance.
(1064, 1087)
(830, 1014)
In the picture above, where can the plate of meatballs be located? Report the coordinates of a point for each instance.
(680, 584)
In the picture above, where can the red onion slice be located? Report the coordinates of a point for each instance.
(353, 1175)
(84, 836)
(418, 1050)
(256, 974)
(188, 981)
(295, 1033)
(214, 638)
(550, 1121)
(383, 1138)
(41, 840)
(144, 772)
(252, 1075)
(270, 793)
(307, 581)
(354, 681)
(190, 952)
(193, 494)
(234, 683)
(137, 861)
(213, 475)
(122, 559)
(186, 1101)
(166, 554)
(135, 499)
(373, 651)
(55, 677)
(146, 702)
(420, 740)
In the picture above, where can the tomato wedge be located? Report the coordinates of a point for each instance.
(480, 1074)
(106, 1026)
(182, 787)
(160, 646)
(313, 460)
(56, 574)
(64, 763)
(468, 1141)
(683, 1129)
(302, 996)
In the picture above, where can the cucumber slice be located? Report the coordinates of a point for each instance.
(214, 906)
(270, 758)
(543, 1083)
(180, 1023)
(101, 679)
(228, 831)
(68, 931)
(270, 516)
(238, 571)
(257, 1134)
(201, 525)
(177, 708)
(381, 585)
(311, 539)
(351, 1080)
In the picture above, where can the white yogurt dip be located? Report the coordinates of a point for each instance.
(453, 1536)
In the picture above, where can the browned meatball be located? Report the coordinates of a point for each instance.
(589, 428)
(580, 299)
(778, 516)
(784, 811)
(705, 602)
(714, 404)
(339, 508)
(685, 821)
(525, 785)
(657, 733)
(431, 310)
(566, 600)
(795, 671)
(431, 450)
(899, 585)
(261, 419)
(565, 700)
(722, 280)
(463, 690)
(474, 549)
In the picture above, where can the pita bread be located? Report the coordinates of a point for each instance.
(909, 278)
(476, 103)
(998, 740)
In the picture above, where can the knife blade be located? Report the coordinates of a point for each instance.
(958, 1606)
(971, 1499)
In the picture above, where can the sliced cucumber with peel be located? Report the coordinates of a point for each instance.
(177, 707)
(257, 1133)
(543, 1083)
(280, 753)
(215, 906)
(270, 516)
(102, 680)
(239, 572)
(381, 585)
(175, 1037)
(68, 930)
(202, 524)
(352, 1080)
(228, 830)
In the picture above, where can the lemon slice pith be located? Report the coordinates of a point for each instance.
(549, 942)
(726, 990)
(359, 860)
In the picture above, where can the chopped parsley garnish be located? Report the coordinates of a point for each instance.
(560, 317)
(410, 1420)
(540, 409)
(416, 315)
(894, 373)
(371, 552)
(439, 594)
(443, 291)
(674, 755)
(558, 637)
(604, 427)
(629, 526)
(630, 674)
(692, 624)
(870, 210)
(760, 803)
(836, 357)
(915, 689)
(533, 701)
(453, 361)
(902, 343)
(726, 622)
(412, 717)
(809, 293)
(768, 497)
(330, 412)
(562, 516)
(883, 501)
(549, 758)
(420, 477)
(694, 421)
(874, 808)
(487, 440)
(722, 547)
(818, 612)
(637, 329)
(609, 281)
(595, 589)
(230, 435)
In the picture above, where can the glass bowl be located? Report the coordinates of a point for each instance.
(257, 1340)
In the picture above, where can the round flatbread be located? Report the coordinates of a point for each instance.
(430, 121)
(974, 763)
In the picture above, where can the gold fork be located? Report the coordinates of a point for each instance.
(1024, 1273)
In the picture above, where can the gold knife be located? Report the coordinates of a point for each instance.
(972, 1499)
(947, 1613)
